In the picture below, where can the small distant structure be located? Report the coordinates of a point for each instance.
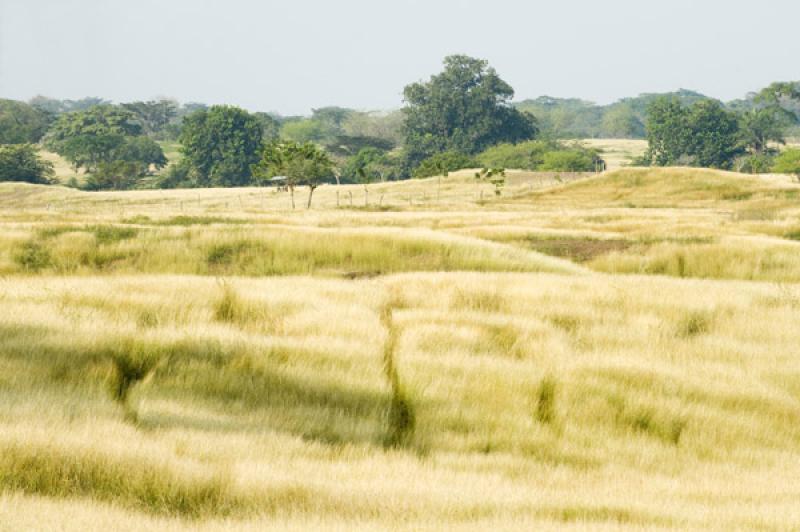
(279, 181)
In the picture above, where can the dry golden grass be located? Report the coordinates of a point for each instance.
(618, 152)
(646, 377)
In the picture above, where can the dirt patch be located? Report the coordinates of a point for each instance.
(576, 249)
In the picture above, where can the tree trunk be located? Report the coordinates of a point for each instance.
(310, 193)
(366, 196)
(291, 193)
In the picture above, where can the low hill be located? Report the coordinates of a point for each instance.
(654, 187)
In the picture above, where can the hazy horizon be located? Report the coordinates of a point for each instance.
(292, 58)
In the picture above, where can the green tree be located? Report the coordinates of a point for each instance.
(375, 161)
(307, 130)
(270, 126)
(759, 127)
(714, 135)
(788, 162)
(495, 176)
(620, 121)
(300, 165)
(114, 175)
(221, 144)
(86, 138)
(333, 118)
(667, 131)
(21, 162)
(704, 134)
(347, 145)
(154, 116)
(465, 109)
(769, 117)
(143, 152)
(21, 123)
(387, 126)
(368, 166)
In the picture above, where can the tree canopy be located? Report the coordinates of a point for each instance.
(21, 123)
(703, 134)
(21, 162)
(86, 138)
(300, 164)
(463, 109)
(220, 144)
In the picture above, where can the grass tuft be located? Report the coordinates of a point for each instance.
(132, 362)
(32, 256)
(546, 400)
(229, 308)
(694, 323)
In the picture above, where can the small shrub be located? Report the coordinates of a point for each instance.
(110, 234)
(33, 256)
(147, 318)
(224, 254)
(228, 308)
(566, 322)
(693, 324)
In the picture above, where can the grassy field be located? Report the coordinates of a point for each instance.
(618, 153)
(609, 352)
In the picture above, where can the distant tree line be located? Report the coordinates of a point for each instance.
(709, 134)
(461, 117)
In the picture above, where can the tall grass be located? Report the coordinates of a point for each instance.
(401, 416)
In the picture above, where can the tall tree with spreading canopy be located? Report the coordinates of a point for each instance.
(221, 144)
(300, 164)
(464, 109)
(154, 116)
(87, 138)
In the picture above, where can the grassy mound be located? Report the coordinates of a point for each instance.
(653, 187)
(260, 251)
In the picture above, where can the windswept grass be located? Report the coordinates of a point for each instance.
(262, 252)
(427, 367)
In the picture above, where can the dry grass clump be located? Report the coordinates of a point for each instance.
(131, 481)
(546, 400)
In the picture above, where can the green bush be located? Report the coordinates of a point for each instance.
(33, 256)
(523, 156)
(541, 155)
(788, 162)
(755, 164)
(441, 163)
(572, 160)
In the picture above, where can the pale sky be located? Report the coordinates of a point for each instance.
(293, 55)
